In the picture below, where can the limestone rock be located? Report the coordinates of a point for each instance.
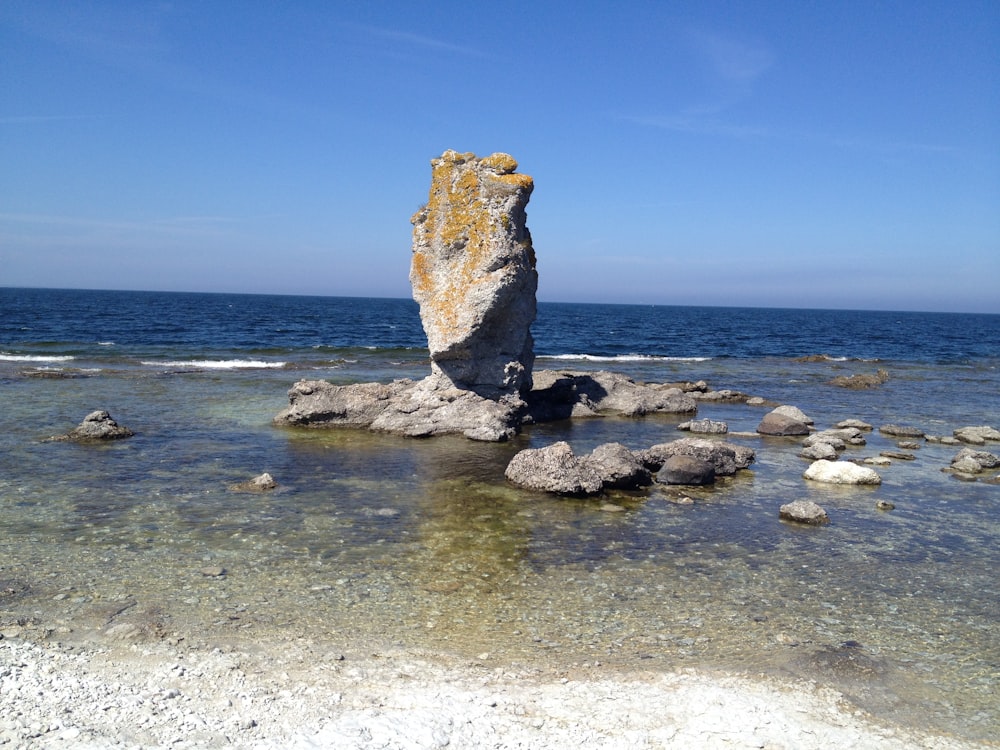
(418, 409)
(820, 449)
(473, 272)
(261, 483)
(839, 437)
(687, 470)
(855, 423)
(618, 467)
(903, 431)
(977, 435)
(804, 511)
(794, 412)
(778, 424)
(972, 461)
(726, 458)
(704, 426)
(861, 380)
(554, 468)
(97, 426)
(564, 394)
(841, 472)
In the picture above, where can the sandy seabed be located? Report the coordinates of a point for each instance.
(303, 695)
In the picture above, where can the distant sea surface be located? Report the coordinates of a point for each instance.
(421, 543)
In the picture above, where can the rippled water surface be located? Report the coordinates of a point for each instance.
(373, 540)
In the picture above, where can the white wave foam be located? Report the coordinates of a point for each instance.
(623, 358)
(35, 358)
(218, 364)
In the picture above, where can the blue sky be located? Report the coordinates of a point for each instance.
(779, 154)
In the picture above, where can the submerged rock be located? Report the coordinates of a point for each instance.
(261, 483)
(862, 380)
(704, 426)
(903, 431)
(839, 437)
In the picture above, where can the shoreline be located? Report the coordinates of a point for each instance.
(304, 694)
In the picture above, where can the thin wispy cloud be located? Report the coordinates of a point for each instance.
(420, 41)
(730, 59)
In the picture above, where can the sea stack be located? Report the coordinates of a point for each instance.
(473, 273)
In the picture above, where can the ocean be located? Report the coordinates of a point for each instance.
(386, 541)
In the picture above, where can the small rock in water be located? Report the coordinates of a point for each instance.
(855, 423)
(794, 412)
(262, 483)
(97, 426)
(682, 469)
(977, 435)
(904, 431)
(778, 424)
(705, 426)
(804, 511)
(898, 455)
(841, 472)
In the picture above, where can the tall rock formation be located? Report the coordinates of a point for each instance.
(473, 273)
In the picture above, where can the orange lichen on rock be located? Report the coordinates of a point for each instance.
(471, 249)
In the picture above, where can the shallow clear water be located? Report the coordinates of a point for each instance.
(373, 540)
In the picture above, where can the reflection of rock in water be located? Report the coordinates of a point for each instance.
(863, 678)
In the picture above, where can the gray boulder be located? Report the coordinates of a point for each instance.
(777, 424)
(618, 467)
(565, 394)
(687, 470)
(704, 426)
(726, 458)
(903, 431)
(554, 468)
(839, 437)
(971, 461)
(794, 412)
(803, 511)
(97, 426)
(821, 449)
(855, 423)
(260, 483)
(977, 435)
(417, 409)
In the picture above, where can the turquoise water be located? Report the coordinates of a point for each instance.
(373, 540)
